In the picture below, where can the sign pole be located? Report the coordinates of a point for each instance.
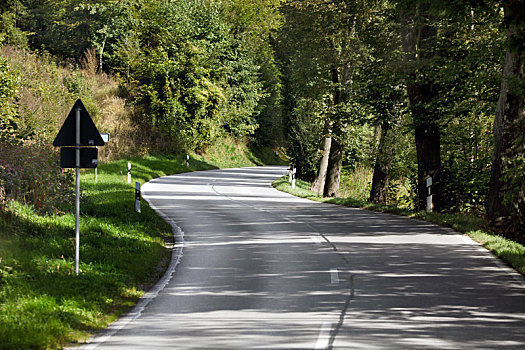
(71, 139)
(77, 196)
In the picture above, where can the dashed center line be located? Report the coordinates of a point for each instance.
(323, 340)
(334, 276)
(316, 239)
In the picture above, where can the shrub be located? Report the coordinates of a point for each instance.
(356, 183)
(30, 173)
(9, 84)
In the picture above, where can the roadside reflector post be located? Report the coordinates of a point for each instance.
(294, 172)
(137, 196)
(129, 172)
(290, 173)
(429, 194)
(187, 160)
(105, 138)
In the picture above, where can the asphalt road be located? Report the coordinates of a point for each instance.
(255, 268)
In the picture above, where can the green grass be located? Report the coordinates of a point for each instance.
(509, 251)
(231, 154)
(43, 304)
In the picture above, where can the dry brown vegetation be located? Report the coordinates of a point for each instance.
(48, 90)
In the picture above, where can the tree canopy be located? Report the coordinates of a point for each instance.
(403, 89)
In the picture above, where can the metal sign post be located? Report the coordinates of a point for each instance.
(77, 195)
(78, 138)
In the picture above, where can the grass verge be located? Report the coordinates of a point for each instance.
(509, 251)
(43, 304)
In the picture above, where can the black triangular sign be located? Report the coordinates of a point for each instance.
(89, 135)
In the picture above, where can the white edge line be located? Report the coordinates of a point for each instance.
(136, 311)
(487, 254)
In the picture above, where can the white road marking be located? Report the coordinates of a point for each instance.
(316, 239)
(323, 340)
(334, 276)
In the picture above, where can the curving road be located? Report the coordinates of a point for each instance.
(260, 269)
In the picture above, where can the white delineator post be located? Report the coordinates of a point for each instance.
(294, 172)
(137, 196)
(129, 173)
(77, 195)
(429, 195)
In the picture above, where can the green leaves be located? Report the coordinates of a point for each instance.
(10, 123)
(196, 80)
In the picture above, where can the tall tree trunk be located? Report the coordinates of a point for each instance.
(418, 36)
(385, 155)
(335, 163)
(327, 180)
(428, 141)
(320, 180)
(509, 122)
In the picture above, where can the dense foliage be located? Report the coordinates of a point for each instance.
(421, 71)
(29, 174)
(195, 70)
(370, 98)
(400, 90)
(185, 74)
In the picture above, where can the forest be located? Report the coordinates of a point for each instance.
(368, 98)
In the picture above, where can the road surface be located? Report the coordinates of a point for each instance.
(255, 268)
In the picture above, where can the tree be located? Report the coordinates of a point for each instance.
(381, 88)
(419, 36)
(321, 47)
(505, 206)
(10, 31)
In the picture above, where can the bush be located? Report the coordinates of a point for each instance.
(9, 84)
(356, 183)
(30, 173)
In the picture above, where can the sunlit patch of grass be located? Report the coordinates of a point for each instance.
(509, 251)
(43, 303)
